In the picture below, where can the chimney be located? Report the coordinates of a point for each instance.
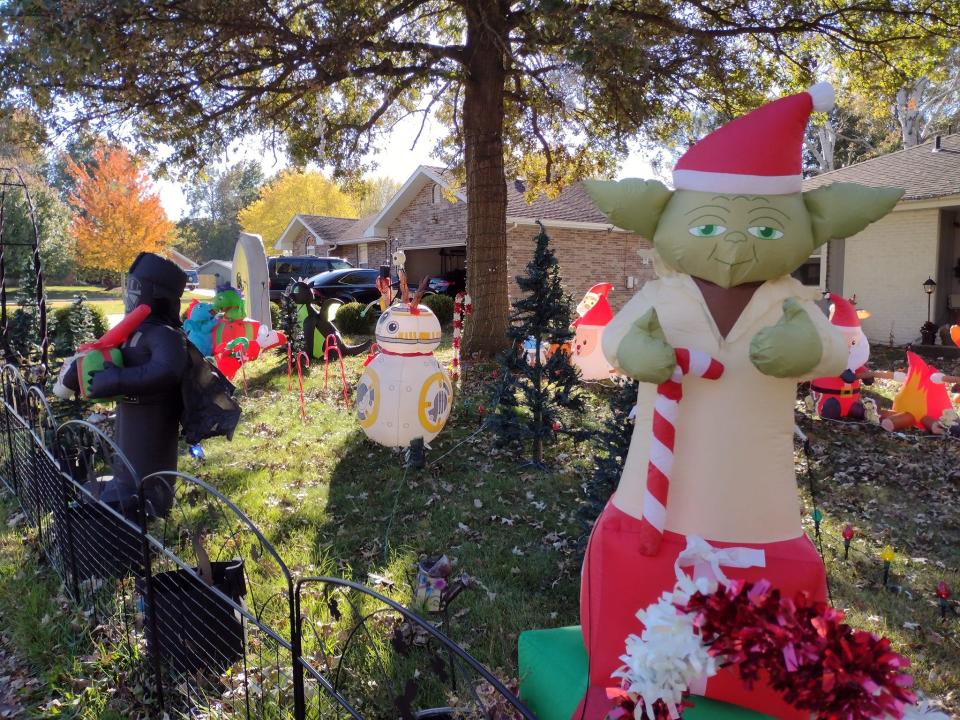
(936, 144)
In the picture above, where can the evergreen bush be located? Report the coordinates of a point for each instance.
(442, 307)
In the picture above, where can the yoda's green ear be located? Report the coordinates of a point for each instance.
(630, 204)
(844, 209)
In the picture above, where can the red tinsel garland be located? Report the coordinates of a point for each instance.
(817, 661)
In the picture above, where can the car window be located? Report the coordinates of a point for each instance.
(338, 264)
(357, 278)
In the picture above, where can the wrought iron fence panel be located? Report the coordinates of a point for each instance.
(366, 655)
(15, 388)
(210, 618)
(218, 608)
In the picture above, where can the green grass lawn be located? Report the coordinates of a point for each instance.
(110, 302)
(334, 503)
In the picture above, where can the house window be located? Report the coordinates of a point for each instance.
(814, 271)
(362, 256)
(437, 195)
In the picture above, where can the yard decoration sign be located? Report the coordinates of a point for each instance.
(727, 240)
(404, 393)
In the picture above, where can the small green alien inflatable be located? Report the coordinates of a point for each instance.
(726, 240)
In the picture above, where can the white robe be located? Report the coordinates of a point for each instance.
(733, 473)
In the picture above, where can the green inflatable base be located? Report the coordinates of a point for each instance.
(553, 678)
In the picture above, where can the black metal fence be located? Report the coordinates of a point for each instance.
(210, 618)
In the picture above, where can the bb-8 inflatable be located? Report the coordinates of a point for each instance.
(404, 393)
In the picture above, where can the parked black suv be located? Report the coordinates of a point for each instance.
(284, 268)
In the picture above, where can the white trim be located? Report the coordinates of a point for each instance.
(378, 227)
(732, 183)
(928, 203)
(281, 245)
(569, 224)
(358, 241)
(408, 248)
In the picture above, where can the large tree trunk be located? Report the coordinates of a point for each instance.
(486, 182)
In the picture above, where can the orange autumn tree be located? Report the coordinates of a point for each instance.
(118, 213)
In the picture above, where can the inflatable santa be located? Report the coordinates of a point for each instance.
(594, 313)
(838, 397)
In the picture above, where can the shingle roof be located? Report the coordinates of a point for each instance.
(356, 230)
(327, 227)
(572, 203)
(923, 173)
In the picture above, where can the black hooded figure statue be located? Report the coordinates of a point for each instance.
(154, 362)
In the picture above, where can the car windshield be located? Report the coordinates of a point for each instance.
(338, 264)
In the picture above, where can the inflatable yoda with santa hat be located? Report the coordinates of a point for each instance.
(726, 327)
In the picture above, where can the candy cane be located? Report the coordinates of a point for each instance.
(462, 306)
(331, 343)
(665, 413)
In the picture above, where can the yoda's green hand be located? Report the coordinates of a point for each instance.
(789, 349)
(644, 353)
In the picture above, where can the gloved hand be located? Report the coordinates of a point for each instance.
(105, 383)
(848, 375)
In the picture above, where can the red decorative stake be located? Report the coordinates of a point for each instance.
(480, 411)
(555, 426)
(847, 537)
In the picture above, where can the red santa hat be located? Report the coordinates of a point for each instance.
(843, 313)
(759, 153)
(594, 309)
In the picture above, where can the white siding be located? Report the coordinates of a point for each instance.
(885, 266)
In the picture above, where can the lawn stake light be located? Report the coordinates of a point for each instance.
(817, 519)
(847, 537)
(887, 555)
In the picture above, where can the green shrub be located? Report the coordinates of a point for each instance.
(275, 315)
(442, 306)
(349, 321)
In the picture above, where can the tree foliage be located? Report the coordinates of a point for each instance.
(216, 199)
(117, 213)
(290, 193)
(552, 89)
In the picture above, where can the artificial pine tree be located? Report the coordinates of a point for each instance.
(531, 393)
(610, 450)
(290, 323)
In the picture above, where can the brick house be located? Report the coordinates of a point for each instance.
(886, 265)
(427, 219)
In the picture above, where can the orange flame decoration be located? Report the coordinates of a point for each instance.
(920, 395)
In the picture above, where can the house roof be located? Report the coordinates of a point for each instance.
(923, 172)
(572, 205)
(214, 266)
(325, 229)
(182, 261)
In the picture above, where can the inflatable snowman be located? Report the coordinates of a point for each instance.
(404, 393)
